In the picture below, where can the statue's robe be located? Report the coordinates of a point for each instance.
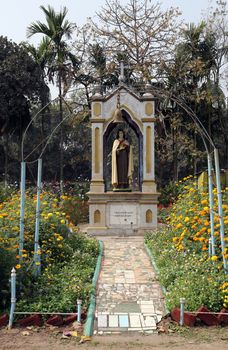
(122, 164)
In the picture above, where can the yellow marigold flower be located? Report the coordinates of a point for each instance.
(50, 215)
(179, 225)
(37, 263)
(18, 266)
(186, 219)
(62, 221)
(24, 255)
(214, 258)
(204, 201)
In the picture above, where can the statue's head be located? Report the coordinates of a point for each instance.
(120, 134)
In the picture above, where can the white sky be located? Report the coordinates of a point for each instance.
(16, 15)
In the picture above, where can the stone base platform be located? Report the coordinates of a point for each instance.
(122, 213)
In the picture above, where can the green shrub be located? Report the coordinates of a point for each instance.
(181, 252)
(59, 242)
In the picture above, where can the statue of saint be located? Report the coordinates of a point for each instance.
(122, 162)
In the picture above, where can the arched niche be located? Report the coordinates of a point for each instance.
(134, 136)
(97, 216)
(149, 216)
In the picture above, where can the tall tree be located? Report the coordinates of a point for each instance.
(141, 29)
(21, 85)
(56, 29)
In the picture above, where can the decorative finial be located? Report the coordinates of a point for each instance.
(118, 118)
(121, 76)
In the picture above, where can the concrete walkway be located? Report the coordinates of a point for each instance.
(129, 298)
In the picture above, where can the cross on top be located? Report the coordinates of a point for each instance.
(121, 76)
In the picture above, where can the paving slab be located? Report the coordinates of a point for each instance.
(123, 321)
(102, 321)
(135, 321)
(113, 321)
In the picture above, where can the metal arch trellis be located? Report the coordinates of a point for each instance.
(204, 134)
(158, 93)
(39, 176)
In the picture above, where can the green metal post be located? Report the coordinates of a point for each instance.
(219, 194)
(22, 209)
(36, 243)
(211, 201)
(13, 296)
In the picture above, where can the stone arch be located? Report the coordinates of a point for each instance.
(136, 128)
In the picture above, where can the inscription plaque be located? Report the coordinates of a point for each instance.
(123, 214)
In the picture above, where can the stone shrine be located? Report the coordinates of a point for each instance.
(123, 211)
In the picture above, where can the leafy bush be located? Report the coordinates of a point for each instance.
(60, 285)
(181, 252)
(7, 191)
(59, 244)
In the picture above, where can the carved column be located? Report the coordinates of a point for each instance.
(149, 184)
(97, 182)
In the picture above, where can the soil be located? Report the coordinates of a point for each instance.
(198, 338)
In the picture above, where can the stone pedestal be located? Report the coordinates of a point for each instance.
(129, 213)
(126, 213)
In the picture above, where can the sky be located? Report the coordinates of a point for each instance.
(17, 15)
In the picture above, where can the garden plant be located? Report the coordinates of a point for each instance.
(68, 258)
(181, 251)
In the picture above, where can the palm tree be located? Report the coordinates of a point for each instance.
(41, 57)
(55, 30)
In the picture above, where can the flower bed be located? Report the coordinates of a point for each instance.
(181, 252)
(68, 259)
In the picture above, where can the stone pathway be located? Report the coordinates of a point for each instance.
(129, 297)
